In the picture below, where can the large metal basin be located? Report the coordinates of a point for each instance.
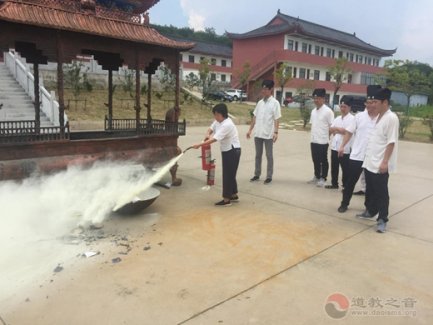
(141, 202)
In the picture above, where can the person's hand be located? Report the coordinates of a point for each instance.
(383, 168)
(249, 134)
(206, 138)
(275, 137)
(340, 152)
(196, 146)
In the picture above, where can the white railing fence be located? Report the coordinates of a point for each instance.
(23, 75)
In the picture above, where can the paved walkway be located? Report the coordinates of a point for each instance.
(273, 258)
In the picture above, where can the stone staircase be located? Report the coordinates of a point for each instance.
(15, 104)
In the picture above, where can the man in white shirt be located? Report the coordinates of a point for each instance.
(265, 124)
(359, 131)
(224, 130)
(381, 159)
(338, 129)
(321, 120)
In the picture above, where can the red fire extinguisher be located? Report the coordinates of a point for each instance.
(207, 163)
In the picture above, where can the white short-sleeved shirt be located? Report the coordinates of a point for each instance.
(384, 133)
(226, 133)
(361, 127)
(266, 113)
(321, 119)
(337, 140)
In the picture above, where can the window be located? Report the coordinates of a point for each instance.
(302, 73)
(317, 50)
(295, 72)
(304, 47)
(223, 78)
(308, 74)
(309, 48)
(368, 79)
(223, 63)
(369, 61)
(351, 57)
(328, 76)
(333, 54)
(357, 58)
(321, 51)
(191, 59)
(347, 55)
(340, 54)
(360, 59)
(213, 61)
(316, 75)
(213, 76)
(296, 46)
(289, 71)
(349, 78)
(328, 52)
(290, 44)
(202, 58)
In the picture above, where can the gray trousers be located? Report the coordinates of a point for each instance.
(269, 144)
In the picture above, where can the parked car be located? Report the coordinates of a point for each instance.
(219, 95)
(236, 94)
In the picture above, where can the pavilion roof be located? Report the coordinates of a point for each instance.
(70, 15)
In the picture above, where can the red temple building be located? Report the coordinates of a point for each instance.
(309, 49)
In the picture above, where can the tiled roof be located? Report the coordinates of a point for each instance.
(137, 6)
(209, 48)
(63, 15)
(294, 25)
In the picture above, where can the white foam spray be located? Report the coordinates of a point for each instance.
(130, 196)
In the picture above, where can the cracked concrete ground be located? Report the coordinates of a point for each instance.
(273, 258)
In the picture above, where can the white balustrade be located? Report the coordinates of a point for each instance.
(22, 74)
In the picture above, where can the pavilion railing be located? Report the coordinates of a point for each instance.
(146, 127)
(26, 131)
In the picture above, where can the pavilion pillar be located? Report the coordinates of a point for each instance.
(60, 80)
(110, 99)
(177, 90)
(137, 90)
(149, 96)
(37, 98)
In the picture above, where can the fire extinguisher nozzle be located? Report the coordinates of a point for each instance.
(187, 149)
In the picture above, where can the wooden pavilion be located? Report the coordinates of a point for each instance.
(115, 33)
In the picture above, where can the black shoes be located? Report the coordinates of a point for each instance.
(342, 208)
(223, 203)
(359, 193)
(255, 178)
(331, 187)
(268, 180)
(234, 198)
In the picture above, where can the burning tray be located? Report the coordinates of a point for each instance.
(141, 202)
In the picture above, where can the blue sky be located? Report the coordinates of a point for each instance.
(402, 24)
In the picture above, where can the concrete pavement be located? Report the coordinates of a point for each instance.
(273, 258)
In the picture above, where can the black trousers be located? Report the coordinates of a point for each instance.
(336, 162)
(377, 192)
(319, 153)
(230, 167)
(354, 171)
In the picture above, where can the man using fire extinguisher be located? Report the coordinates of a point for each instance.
(224, 130)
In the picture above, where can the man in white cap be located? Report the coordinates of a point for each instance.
(265, 124)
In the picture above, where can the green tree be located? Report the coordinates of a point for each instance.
(192, 81)
(76, 78)
(339, 72)
(128, 82)
(167, 79)
(204, 73)
(304, 99)
(407, 77)
(244, 75)
(282, 76)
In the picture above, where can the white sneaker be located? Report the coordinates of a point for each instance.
(321, 183)
(313, 181)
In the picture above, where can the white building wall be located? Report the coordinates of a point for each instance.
(351, 54)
